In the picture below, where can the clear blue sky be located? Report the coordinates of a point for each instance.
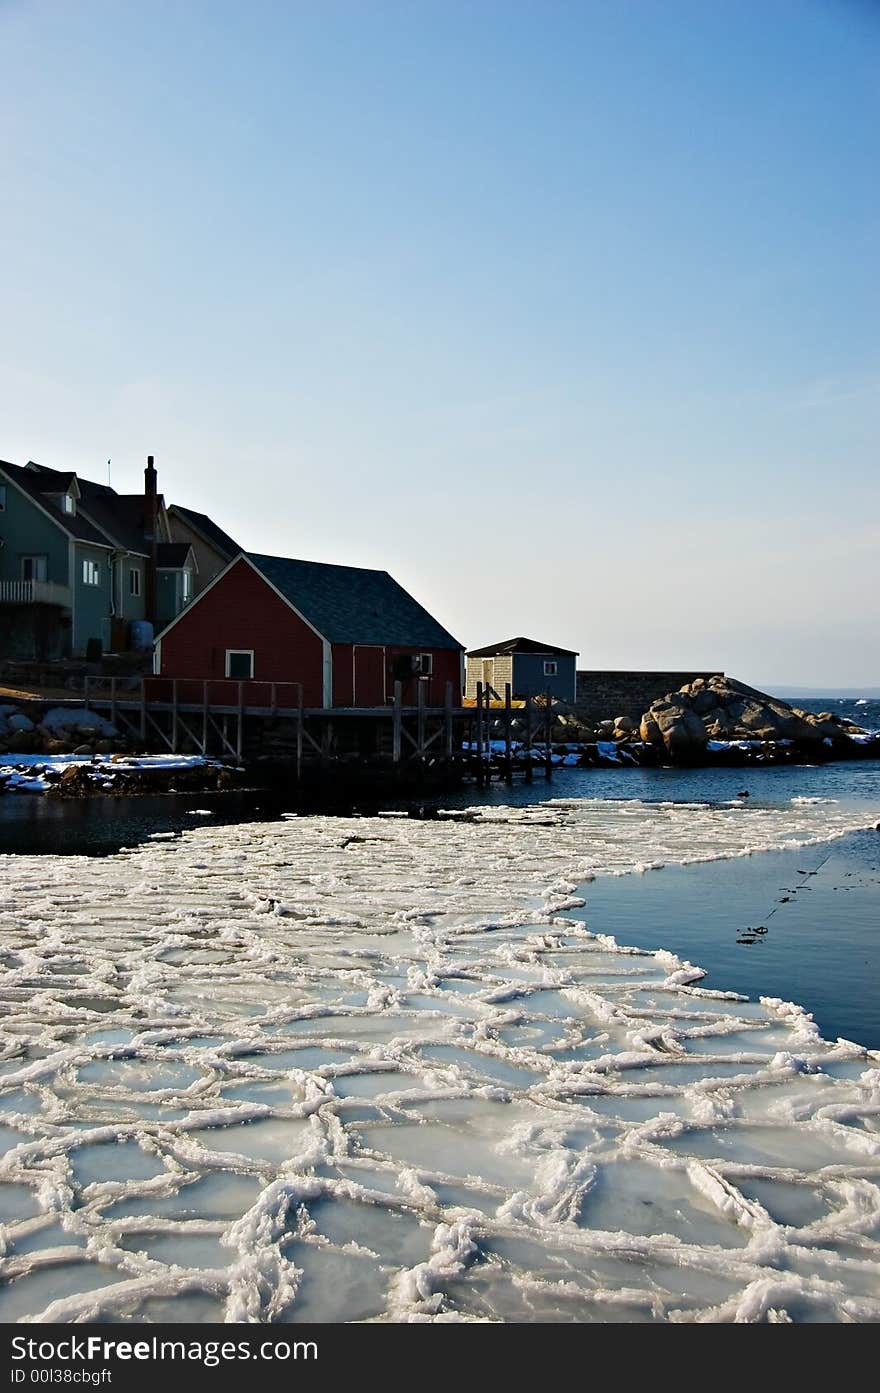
(565, 313)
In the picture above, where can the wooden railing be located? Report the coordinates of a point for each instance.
(34, 592)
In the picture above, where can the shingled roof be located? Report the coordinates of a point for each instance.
(521, 645)
(200, 522)
(348, 604)
(38, 487)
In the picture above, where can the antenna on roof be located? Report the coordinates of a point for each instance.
(108, 473)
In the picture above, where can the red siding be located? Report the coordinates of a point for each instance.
(242, 611)
(364, 675)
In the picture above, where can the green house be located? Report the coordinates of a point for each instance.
(83, 567)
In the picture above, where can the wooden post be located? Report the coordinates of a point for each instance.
(420, 729)
(480, 734)
(239, 742)
(204, 718)
(299, 735)
(274, 701)
(548, 731)
(174, 716)
(397, 722)
(508, 765)
(448, 719)
(528, 737)
(143, 709)
(113, 701)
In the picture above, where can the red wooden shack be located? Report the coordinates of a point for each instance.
(344, 633)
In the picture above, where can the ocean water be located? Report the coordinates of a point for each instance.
(532, 1064)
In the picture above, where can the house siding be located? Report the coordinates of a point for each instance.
(364, 675)
(525, 673)
(495, 671)
(529, 678)
(28, 532)
(91, 612)
(168, 596)
(243, 611)
(130, 606)
(209, 563)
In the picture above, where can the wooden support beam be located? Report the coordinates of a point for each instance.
(204, 718)
(528, 739)
(508, 763)
(239, 727)
(299, 737)
(447, 720)
(159, 731)
(174, 714)
(222, 733)
(397, 722)
(548, 732)
(200, 745)
(420, 720)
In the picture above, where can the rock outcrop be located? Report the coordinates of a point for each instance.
(51, 730)
(722, 709)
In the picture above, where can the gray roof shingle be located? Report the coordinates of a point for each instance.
(348, 604)
(35, 486)
(520, 645)
(220, 540)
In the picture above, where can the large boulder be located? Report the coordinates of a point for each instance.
(681, 730)
(720, 708)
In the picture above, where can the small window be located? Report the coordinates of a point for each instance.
(186, 587)
(91, 573)
(69, 503)
(425, 664)
(2, 498)
(240, 662)
(134, 582)
(34, 567)
(550, 669)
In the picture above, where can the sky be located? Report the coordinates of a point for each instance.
(567, 314)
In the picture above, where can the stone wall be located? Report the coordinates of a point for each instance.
(603, 695)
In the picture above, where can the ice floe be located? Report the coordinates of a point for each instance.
(338, 1069)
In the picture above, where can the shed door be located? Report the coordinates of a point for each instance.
(369, 676)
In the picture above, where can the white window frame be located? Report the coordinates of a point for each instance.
(69, 503)
(91, 571)
(134, 582)
(238, 653)
(35, 556)
(426, 664)
(551, 669)
(186, 587)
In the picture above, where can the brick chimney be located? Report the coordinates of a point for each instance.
(151, 527)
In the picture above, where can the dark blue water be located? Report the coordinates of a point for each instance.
(820, 907)
(864, 712)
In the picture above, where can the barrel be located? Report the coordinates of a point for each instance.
(140, 634)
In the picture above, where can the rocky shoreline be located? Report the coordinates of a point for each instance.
(71, 752)
(710, 721)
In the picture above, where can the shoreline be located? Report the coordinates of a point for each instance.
(87, 775)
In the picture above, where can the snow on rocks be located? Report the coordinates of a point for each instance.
(423, 1091)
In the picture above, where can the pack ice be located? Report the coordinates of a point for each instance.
(367, 1069)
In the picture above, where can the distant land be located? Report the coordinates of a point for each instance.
(838, 693)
